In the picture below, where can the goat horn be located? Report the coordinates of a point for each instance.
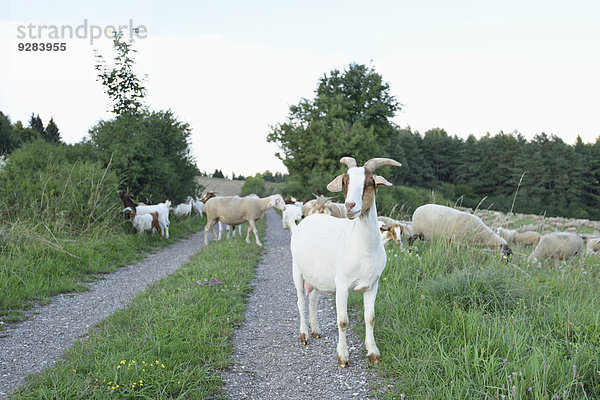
(349, 161)
(375, 163)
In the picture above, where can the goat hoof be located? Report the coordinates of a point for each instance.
(374, 358)
(315, 335)
(303, 339)
(343, 363)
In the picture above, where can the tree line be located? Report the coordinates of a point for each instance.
(351, 115)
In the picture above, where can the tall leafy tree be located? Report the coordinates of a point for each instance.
(350, 115)
(124, 88)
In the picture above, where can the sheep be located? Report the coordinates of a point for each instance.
(291, 214)
(557, 245)
(433, 221)
(593, 246)
(335, 254)
(162, 209)
(527, 238)
(144, 222)
(234, 211)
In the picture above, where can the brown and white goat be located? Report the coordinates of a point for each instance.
(144, 222)
(342, 254)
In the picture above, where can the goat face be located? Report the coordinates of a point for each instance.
(359, 184)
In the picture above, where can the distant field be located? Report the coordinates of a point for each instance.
(223, 187)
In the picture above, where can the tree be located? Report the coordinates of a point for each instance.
(125, 90)
(350, 115)
(150, 152)
(8, 138)
(25, 134)
(36, 124)
(51, 134)
(218, 174)
(254, 184)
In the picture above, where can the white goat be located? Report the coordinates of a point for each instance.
(144, 222)
(291, 214)
(198, 206)
(162, 209)
(184, 209)
(235, 211)
(334, 254)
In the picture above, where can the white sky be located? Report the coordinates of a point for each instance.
(231, 68)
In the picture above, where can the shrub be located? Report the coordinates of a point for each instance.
(254, 185)
(41, 185)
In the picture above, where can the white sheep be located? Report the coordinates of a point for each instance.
(335, 254)
(593, 246)
(557, 245)
(144, 222)
(235, 211)
(527, 238)
(433, 221)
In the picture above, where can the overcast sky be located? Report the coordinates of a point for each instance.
(231, 69)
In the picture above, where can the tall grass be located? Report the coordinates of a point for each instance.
(457, 323)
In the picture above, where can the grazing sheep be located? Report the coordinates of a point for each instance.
(593, 246)
(557, 245)
(234, 211)
(342, 254)
(527, 238)
(144, 222)
(433, 221)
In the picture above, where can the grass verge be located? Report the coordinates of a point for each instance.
(169, 343)
(457, 323)
(35, 268)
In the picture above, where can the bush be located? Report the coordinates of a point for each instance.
(150, 153)
(254, 185)
(41, 184)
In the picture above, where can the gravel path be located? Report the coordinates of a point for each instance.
(34, 344)
(268, 361)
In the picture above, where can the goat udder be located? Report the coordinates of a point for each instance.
(308, 288)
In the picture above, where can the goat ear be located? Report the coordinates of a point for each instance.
(336, 184)
(380, 181)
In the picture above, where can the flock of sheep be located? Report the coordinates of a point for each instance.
(339, 247)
